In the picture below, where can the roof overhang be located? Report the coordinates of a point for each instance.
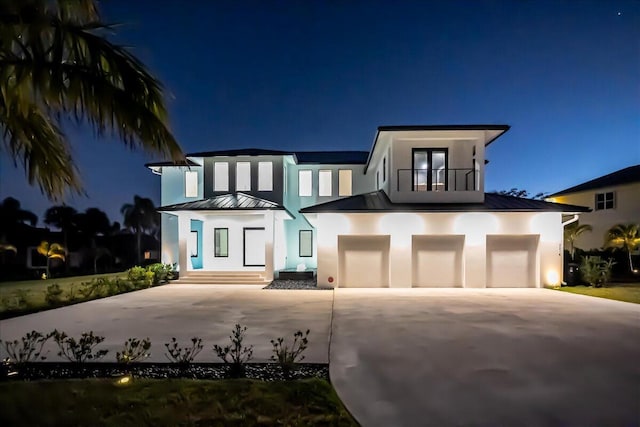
(383, 134)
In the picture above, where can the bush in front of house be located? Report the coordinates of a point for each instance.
(28, 349)
(134, 350)
(53, 296)
(596, 271)
(81, 350)
(183, 355)
(235, 355)
(287, 356)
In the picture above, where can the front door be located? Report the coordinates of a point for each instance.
(430, 169)
(254, 246)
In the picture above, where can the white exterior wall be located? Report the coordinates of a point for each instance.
(473, 226)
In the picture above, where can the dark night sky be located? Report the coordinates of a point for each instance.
(313, 75)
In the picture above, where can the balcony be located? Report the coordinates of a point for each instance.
(437, 180)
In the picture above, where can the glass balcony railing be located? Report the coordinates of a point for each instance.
(444, 179)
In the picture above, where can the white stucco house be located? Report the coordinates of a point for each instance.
(410, 212)
(614, 199)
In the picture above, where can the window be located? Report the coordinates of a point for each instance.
(285, 178)
(344, 182)
(305, 182)
(377, 180)
(193, 244)
(324, 183)
(384, 170)
(221, 242)
(221, 176)
(191, 184)
(605, 201)
(265, 176)
(243, 176)
(306, 243)
(430, 169)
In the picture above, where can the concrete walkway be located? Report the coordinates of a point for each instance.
(462, 357)
(185, 311)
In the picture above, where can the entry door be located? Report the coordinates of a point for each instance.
(430, 169)
(254, 244)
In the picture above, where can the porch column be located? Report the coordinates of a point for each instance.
(268, 245)
(184, 228)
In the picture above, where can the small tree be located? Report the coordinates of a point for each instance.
(596, 271)
(626, 237)
(287, 356)
(52, 251)
(571, 234)
(235, 355)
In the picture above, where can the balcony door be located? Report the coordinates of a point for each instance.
(430, 169)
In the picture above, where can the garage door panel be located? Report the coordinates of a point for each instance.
(511, 261)
(363, 261)
(437, 261)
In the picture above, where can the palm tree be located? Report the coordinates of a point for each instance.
(624, 236)
(139, 217)
(571, 234)
(51, 251)
(91, 223)
(56, 64)
(12, 214)
(62, 217)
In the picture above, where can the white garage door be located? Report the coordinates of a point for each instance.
(511, 261)
(437, 261)
(363, 261)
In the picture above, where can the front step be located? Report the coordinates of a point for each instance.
(222, 278)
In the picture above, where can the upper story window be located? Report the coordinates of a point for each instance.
(430, 169)
(305, 183)
(344, 182)
(191, 184)
(265, 176)
(605, 201)
(324, 183)
(221, 176)
(243, 176)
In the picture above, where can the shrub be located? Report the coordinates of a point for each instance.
(134, 350)
(72, 293)
(287, 357)
(235, 355)
(53, 295)
(595, 271)
(161, 272)
(81, 350)
(18, 301)
(136, 274)
(28, 349)
(183, 355)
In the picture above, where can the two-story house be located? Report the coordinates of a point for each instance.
(614, 199)
(411, 212)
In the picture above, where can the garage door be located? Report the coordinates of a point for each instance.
(363, 261)
(437, 261)
(511, 261)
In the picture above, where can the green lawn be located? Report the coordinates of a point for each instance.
(36, 289)
(628, 292)
(99, 402)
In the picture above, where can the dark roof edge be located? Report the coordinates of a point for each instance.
(444, 127)
(184, 163)
(599, 182)
(503, 128)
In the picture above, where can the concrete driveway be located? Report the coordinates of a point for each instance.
(462, 357)
(184, 311)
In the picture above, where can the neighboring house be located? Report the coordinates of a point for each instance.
(613, 198)
(412, 211)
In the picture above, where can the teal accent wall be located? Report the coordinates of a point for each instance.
(196, 262)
